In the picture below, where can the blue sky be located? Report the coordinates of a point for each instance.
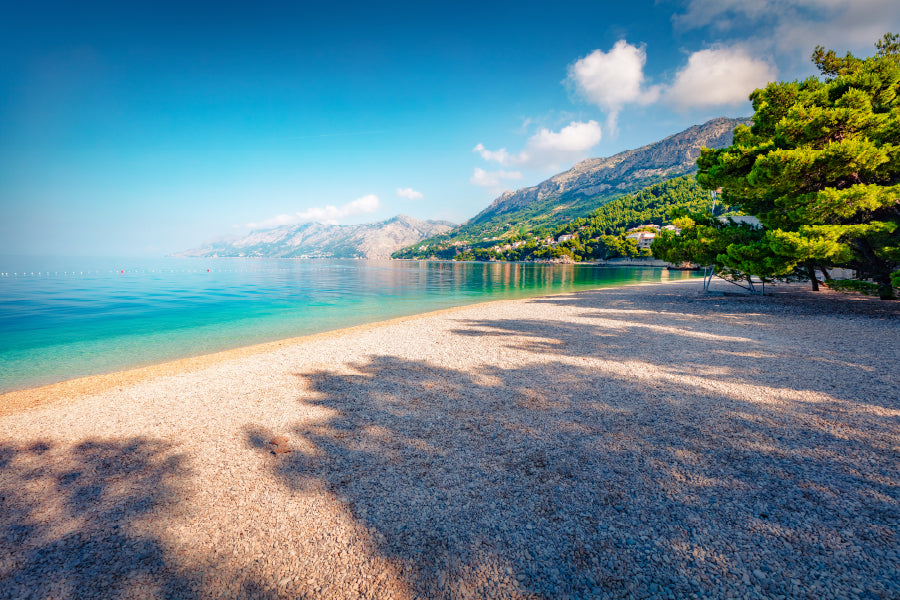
(144, 128)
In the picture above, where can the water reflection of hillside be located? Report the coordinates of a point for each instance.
(93, 318)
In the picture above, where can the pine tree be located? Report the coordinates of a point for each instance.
(820, 167)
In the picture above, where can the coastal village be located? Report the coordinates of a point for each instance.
(642, 237)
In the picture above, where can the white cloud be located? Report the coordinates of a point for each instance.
(574, 137)
(725, 14)
(549, 149)
(795, 27)
(324, 214)
(409, 194)
(719, 77)
(493, 179)
(274, 222)
(332, 214)
(501, 156)
(613, 79)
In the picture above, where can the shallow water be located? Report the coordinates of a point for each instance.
(63, 318)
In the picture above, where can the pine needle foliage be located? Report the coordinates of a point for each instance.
(820, 167)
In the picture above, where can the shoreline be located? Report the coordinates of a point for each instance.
(635, 441)
(54, 393)
(70, 390)
(645, 262)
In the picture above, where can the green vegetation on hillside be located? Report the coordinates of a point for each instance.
(549, 213)
(599, 235)
(820, 167)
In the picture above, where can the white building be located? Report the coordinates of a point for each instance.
(643, 238)
(746, 219)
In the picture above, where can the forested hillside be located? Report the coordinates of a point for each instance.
(651, 205)
(600, 235)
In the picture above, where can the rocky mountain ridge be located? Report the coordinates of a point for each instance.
(621, 173)
(318, 240)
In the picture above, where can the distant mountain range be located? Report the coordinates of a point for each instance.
(591, 183)
(316, 240)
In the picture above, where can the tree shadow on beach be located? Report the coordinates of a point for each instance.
(565, 476)
(87, 521)
(716, 329)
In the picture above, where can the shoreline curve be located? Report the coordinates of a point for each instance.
(70, 390)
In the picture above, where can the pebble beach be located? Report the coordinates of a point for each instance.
(646, 441)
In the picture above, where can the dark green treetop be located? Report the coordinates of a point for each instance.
(820, 167)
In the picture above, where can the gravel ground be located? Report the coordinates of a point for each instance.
(638, 442)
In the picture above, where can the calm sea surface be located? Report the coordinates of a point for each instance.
(65, 318)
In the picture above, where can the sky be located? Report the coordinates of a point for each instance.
(144, 128)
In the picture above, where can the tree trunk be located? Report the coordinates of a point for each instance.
(825, 273)
(879, 270)
(811, 270)
(885, 288)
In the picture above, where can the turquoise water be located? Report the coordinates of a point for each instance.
(65, 318)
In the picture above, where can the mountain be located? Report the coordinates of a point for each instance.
(591, 183)
(315, 240)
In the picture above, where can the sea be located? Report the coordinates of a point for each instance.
(62, 318)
